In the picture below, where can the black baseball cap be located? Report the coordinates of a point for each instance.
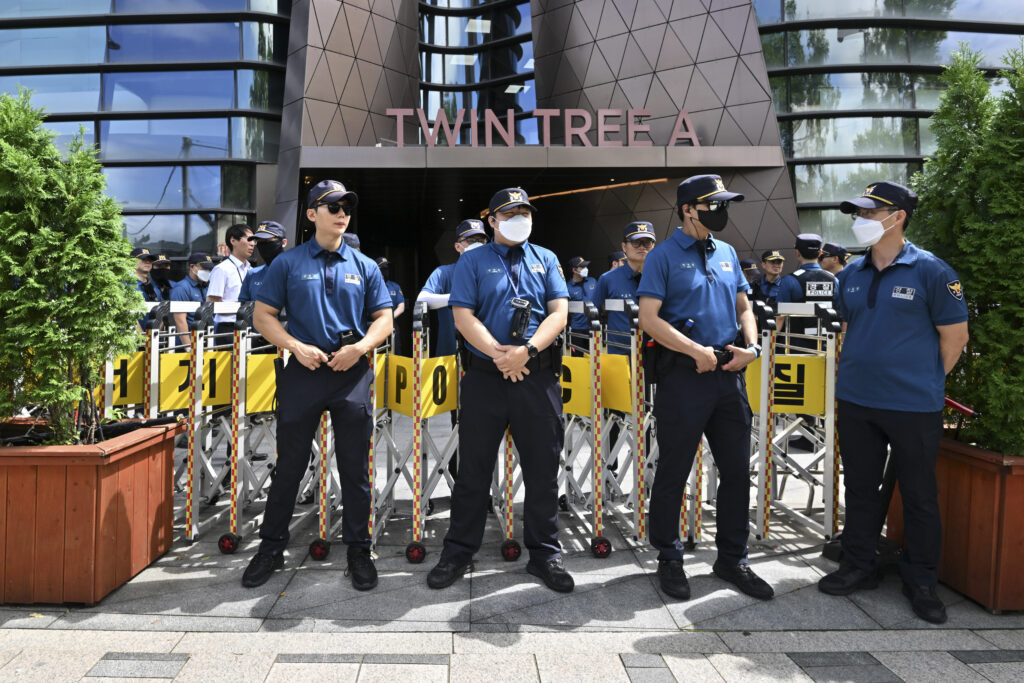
(578, 262)
(616, 256)
(883, 194)
(470, 227)
(327, 191)
(382, 261)
(749, 266)
(772, 255)
(142, 253)
(162, 258)
(638, 230)
(808, 244)
(704, 188)
(269, 230)
(508, 198)
(202, 258)
(833, 249)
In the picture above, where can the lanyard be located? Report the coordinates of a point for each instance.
(515, 287)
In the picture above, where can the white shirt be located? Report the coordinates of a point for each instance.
(226, 282)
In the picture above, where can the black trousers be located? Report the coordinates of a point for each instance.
(532, 410)
(864, 435)
(687, 405)
(302, 396)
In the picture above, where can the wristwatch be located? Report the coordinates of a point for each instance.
(756, 348)
(532, 350)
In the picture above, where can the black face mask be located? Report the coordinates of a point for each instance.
(386, 272)
(713, 220)
(161, 276)
(269, 250)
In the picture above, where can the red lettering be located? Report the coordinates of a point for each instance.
(579, 132)
(633, 126)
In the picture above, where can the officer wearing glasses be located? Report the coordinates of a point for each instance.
(510, 303)
(693, 302)
(338, 311)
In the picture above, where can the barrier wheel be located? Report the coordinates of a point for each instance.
(601, 547)
(430, 506)
(228, 543)
(563, 503)
(415, 552)
(690, 544)
(511, 550)
(319, 549)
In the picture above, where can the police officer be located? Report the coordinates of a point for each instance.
(750, 271)
(145, 285)
(510, 304)
(191, 289)
(270, 242)
(161, 276)
(394, 289)
(807, 284)
(906, 326)
(228, 275)
(352, 240)
(833, 258)
(339, 310)
(693, 301)
(581, 288)
(616, 259)
(766, 288)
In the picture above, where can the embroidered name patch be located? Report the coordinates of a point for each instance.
(537, 267)
(726, 266)
(353, 279)
(955, 289)
(494, 271)
(309, 276)
(684, 265)
(903, 293)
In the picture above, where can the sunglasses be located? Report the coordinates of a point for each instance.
(717, 206)
(335, 207)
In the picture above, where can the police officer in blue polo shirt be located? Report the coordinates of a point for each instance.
(906, 326)
(270, 243)
(145, 285)
(394, 289)
(191, 289)
(581, 288)
(637, 241)
(693, 302)
(766, 287)
(339, 310)
(616, 259)
(510, 304)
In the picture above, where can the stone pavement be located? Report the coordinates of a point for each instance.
(188, 618)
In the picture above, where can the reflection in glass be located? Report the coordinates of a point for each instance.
(162, 233)
(937, 47)
(836, 182)
(832, 224)
(169, 90)
(768, 11)
(237, 192)
(172, 42)
(258, 43)
(260, 90)
(58, 93)
(54, 45)
(67, 130)
(202, 230)
(852, 137)
(202, 187)
(164, 139)
(161, 6)
(52, 8)
(149, 187)
(255, 139)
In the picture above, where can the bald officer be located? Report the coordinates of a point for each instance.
(339, 310)
(693, 302)
(510, 304)
(906, 326)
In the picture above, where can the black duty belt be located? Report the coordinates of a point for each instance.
(541, 362)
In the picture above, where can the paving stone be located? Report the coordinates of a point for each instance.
(318, 658)
(225, 667)
(1008, 639)
(806, 659)
(988, 656)
(998, 673)
(574, 642)
(509, 668)
(405, 659)
(334, 672)
(147, 656)
(7, 655)
(692, 668)
(51, 666)
(871, 673)
(804, 609)
(389, 673)
(927, 667)
(257, 643)
(88, 641)
(649, 675)
(11, 618)
(593, 666)
(155, 622)
(887, 606)
(642, 661)
(737, 668)
(137, 668)
(858, 641)
(358, 625)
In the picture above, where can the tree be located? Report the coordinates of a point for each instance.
(66, 295)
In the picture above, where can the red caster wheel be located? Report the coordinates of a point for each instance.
(415, 552)
(511, 550)
(228, 543)
(319, 549)
(601, 547)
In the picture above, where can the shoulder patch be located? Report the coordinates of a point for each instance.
(955, 289)
(559, 266)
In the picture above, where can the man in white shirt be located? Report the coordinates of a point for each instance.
(227, 277)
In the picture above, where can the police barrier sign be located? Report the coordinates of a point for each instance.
(439, 385)
(615, 384)
(799, 385)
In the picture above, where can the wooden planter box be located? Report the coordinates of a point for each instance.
(981, 499)
(76, 522)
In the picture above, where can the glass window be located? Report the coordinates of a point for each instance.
(164, 139)
(260, 90)
(780, 96)
(837, 182)
(847, 46)
(58, 93)
(832, 224)
(162, 6)
(202, 230)
(853, 136)
(768, 11)
(149, 187)
(256, 139)
(928, 141)
(797, 10)
(202, 188)
(169, 90)
(829, 92)
(162, 233)
(67, 130)
(773, 46)
(47, 46)
(131, 43)
(478, 29)
(269, 6)
(527, 132)
(237, 184)
(963, 9)
(936, 47)
(258, 43)
(52, 8)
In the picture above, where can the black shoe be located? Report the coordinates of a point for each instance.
(261, 566)
(445, 573)
(361, 568)
(552, 573)
(673, 579)
(743, 577)
(847, 579)
(926, 603)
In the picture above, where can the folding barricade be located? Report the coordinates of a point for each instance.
(785, 388)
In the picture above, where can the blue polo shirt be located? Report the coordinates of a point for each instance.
(675, 273)
(483, 283)
(188, 290)
(440, 282)
(890, 357)
(252, 283)
(620, 283)
(326, 292)
(770, 290)
(581, 291)
(395, 291)
(790, 290)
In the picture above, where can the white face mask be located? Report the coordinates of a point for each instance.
(516, 229)
(472, 246)
(203, 275)
(584, 272)
(867, 231)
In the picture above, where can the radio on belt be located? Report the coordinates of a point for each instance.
(521, 317)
